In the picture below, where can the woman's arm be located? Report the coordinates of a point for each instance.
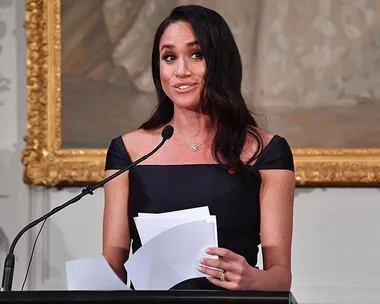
(116, 235)
(276, 205)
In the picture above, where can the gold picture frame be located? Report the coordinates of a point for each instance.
(47, 163)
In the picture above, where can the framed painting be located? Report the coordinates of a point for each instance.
(311, 74)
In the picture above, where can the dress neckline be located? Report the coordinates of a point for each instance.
(258, 159)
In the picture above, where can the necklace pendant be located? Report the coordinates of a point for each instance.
(194, 147)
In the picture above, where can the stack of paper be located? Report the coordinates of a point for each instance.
(172, 245)
(150, 225)
(92, 274)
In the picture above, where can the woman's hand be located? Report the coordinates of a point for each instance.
(232, 270)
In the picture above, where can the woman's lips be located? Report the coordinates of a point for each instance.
(185, 87)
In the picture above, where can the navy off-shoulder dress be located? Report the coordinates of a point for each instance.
(234, 202)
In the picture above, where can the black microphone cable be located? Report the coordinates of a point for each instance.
(31, 254)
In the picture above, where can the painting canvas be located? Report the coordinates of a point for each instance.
(311, 68)
(310, 73)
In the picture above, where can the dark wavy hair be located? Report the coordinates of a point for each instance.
(223, 101)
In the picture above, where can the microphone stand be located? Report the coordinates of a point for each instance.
(9, 263)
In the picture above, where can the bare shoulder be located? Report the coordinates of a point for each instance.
(252, 145)
(134, 136)
(139, 141)
(265, 135)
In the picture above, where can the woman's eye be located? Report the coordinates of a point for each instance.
(169, 57)
(197, 55)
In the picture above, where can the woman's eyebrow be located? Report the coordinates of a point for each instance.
(172, 46)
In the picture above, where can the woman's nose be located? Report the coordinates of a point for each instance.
(182, 68)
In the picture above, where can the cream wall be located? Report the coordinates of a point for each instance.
(336, 241)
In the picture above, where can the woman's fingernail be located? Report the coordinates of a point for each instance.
(199, 268)
(207, 250)
(202, 260)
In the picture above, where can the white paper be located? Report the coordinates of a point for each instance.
(149, 227)
(92, 274)
(171, 256)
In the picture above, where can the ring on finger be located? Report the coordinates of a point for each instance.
(223, 276)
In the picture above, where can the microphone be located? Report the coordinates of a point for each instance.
(9, 263)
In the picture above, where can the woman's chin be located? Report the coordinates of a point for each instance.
(190, 105)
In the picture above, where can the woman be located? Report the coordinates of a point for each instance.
(218, 157)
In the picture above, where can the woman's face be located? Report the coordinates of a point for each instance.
(182, 66)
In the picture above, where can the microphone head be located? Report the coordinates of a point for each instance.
(167, 132)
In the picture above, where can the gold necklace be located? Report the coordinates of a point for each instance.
(194, 147)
